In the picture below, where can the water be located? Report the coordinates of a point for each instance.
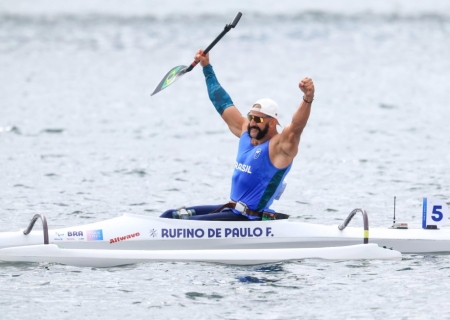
(81, 140)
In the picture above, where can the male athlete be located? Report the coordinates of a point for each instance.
(264, 156)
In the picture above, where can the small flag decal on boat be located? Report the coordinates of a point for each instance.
(94, 235)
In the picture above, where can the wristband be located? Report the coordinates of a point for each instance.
(307, 100)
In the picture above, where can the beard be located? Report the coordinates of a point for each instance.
(261, 133)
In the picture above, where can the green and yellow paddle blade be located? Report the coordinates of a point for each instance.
(173, 75)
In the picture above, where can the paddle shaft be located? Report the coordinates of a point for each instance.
(220, 36)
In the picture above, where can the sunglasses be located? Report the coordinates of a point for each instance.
(257, 119)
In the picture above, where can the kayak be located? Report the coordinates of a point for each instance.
(135, 238)
(132, 238)
(140, 232)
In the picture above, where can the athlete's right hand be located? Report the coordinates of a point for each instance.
(202, 58)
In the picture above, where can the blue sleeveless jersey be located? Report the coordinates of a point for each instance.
(256, 181)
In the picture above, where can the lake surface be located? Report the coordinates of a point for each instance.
(81, 140)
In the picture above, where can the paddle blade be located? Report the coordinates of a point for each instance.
(173, 75)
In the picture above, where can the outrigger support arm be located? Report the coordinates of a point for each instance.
(365, 219)
(44, 226)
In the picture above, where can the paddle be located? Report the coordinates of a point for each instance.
(177, 72)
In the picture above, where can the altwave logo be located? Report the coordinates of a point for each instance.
(257, 153)
(130, 236)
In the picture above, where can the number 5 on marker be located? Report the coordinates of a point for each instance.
(435, 213)
(438, 213)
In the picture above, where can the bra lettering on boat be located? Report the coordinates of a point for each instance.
(243, 167)
(74, 233)
(217, 233)
(130, 236)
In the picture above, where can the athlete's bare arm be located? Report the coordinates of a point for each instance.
(285, 145)
(235, 121)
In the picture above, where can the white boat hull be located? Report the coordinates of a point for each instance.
(135, 232)
(109, 258)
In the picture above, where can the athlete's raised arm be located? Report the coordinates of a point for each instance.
(286, 144)
(220, 98)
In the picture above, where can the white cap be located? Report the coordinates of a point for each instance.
(266, 106)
